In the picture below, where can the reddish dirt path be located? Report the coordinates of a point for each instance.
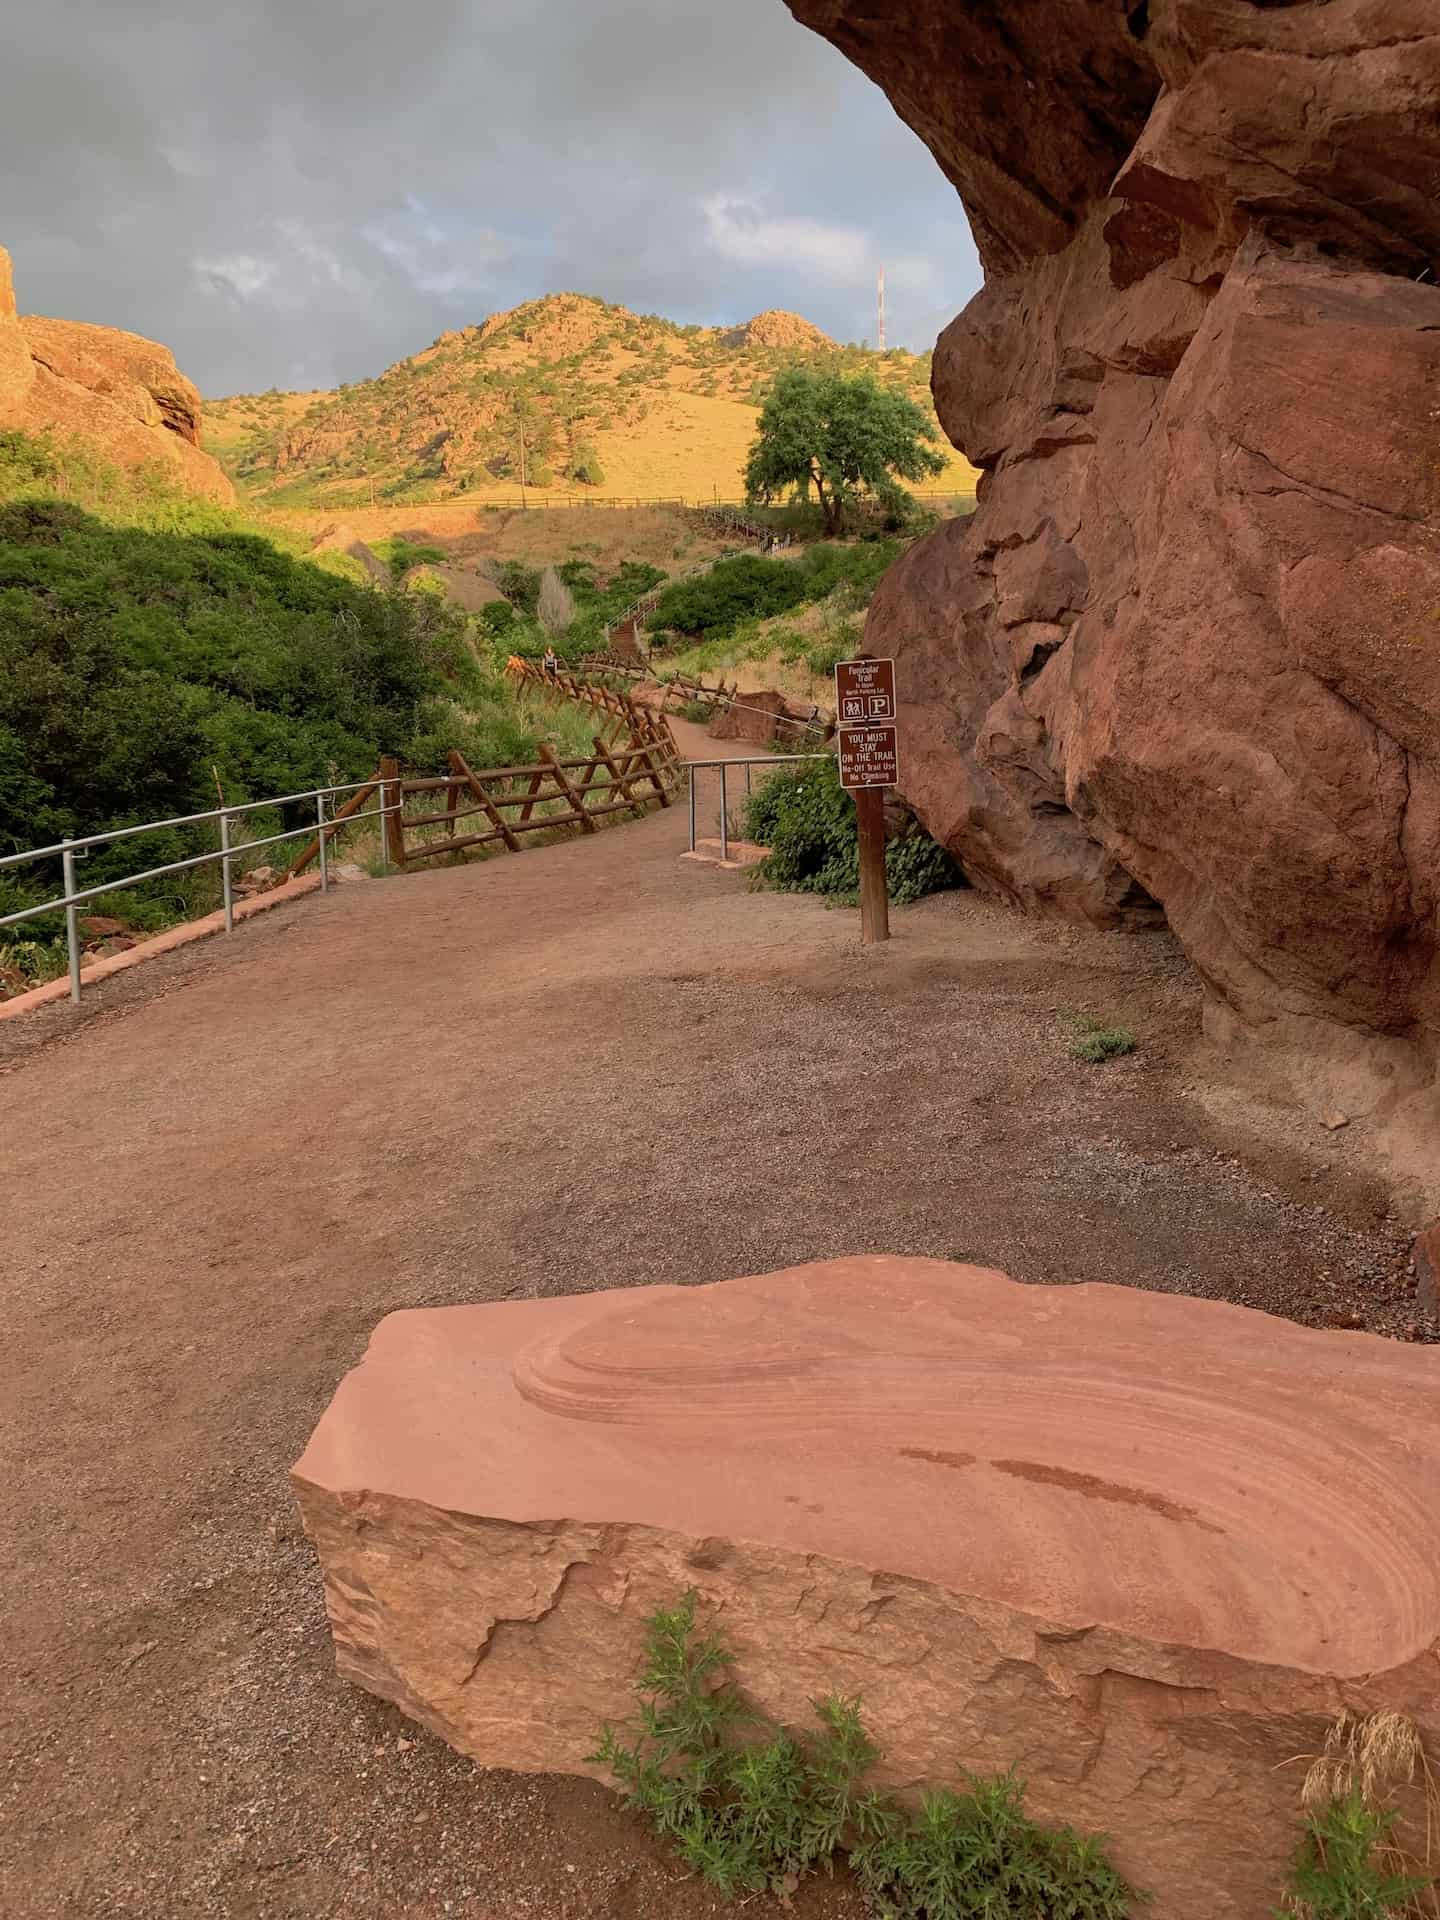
(588, 1066)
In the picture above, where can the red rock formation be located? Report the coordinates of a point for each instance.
(1188, 648)
(17, 369)
(777, 328)
(122, 395)
(1140, 1547)
(758, 716)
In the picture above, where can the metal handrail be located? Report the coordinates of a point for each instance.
(179, 820)
(759, 760)
(74, 897)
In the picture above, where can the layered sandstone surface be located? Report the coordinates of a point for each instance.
(1138, 1547)
(122, 395)
(1188, 649)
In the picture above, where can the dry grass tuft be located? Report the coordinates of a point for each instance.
(1366, 1756)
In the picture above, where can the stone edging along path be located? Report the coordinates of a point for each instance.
(166, 942)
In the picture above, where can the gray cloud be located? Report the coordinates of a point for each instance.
(295, 192)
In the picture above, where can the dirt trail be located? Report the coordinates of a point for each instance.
(588, 1066)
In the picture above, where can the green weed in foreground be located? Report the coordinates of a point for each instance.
(1350, 1866)
(1340, 1872)
(1095, 1042)
(759, 1814)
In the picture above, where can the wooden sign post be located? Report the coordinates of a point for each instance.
(869, 762)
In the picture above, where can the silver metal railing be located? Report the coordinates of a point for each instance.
(709, 766)
(73, 897)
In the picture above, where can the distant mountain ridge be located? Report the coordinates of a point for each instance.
(566, 392)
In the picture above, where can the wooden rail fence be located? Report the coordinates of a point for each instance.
(636, 765)
(818, 725)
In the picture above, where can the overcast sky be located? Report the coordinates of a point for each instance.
(296, 192)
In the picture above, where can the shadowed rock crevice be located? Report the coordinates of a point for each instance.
(1189, 642)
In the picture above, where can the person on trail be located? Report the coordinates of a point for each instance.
(550, 665)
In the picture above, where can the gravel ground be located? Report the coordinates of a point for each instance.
(592, 1066)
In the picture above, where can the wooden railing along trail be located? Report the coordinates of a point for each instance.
(635, 766)
(683, 688)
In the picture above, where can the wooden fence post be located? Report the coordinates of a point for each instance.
(459, 765)
(618, 779)
(537, 780)
(352, 805)
(563, 781)
(390, 787)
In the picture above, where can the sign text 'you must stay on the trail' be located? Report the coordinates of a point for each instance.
(865, 710)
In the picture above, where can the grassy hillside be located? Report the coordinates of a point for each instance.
(567, 394)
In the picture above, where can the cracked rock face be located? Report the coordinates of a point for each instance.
(1188, 649)
(1140, 1548)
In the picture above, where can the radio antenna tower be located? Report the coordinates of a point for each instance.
(880, 330)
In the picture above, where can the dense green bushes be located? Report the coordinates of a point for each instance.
(807, 820)
(402, 555)
(133, 663)
(597, 604)
(714, 603)
(156, 652)
(750, 587)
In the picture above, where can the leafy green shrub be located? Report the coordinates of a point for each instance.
(401, 556)
(149, 653)
(840, 643)
(850, 570)
(1349, 1865)
(745, 588)
(916, 865)
(1094, 1042)
(757, 1817)
(749, 587)
(1340, 1873)
(807, 820)
(697, 712)
(586, 467)
(520, 585)
(975, 1855)
(497, 618)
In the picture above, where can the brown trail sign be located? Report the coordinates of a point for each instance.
(869, 757)
(869, 753)
(864, 691)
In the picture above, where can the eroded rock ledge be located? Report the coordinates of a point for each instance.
(1139, 1547)
(120, 394)
(1188, 649)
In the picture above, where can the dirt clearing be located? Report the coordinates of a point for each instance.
(588, 1066)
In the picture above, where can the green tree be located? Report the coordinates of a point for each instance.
(844, 437)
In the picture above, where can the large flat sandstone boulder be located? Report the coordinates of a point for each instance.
(1140, 1548)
